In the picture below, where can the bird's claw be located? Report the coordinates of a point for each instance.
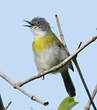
(40, 73)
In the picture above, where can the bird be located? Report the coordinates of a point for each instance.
(49, 51)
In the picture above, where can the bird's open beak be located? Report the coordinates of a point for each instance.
(29, 23)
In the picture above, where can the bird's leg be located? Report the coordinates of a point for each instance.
(40, 73)
(43, 77)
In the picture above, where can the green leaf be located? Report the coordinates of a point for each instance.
(67, 104)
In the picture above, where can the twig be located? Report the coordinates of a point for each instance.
(8, 105)
(76, 64)
(79, 45)
(20, 89)
(60, 30)
(1, 104)
(84, 83)
(87, 107)
(59, 65)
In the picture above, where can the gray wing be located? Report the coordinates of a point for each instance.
(64, 53)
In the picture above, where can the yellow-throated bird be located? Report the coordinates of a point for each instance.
(49, 51)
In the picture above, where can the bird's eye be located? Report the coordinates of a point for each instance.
(38, 23)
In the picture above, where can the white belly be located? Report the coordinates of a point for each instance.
(49, 58)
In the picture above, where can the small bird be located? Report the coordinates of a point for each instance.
(49, 51)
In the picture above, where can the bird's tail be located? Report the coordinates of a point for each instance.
(68, 83)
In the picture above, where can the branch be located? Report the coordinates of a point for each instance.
(84, 83)
(87, 107)
(8, 105)
(20, 89)
(1, 104)
(59, 65)
(60, 30)
(76, 64)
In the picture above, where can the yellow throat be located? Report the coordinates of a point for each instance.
(47, 41)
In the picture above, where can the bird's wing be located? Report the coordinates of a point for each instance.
(61, 45)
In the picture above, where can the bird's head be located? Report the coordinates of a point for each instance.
(39, 26)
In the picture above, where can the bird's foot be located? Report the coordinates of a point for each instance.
(40, 73)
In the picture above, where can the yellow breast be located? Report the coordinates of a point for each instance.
(44, 42)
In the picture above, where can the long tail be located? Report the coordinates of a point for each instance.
(68, 83)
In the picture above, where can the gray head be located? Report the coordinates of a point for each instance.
(38, 23)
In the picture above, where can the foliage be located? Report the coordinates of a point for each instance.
(67, 104)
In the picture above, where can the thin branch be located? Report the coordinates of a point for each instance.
(87, 107)
(61, 34)
(20, 89)
(8, 105)
(76, 64)
(1, 104)
(59, 65)
(60, 30)
(79, 45)
(84, 83)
